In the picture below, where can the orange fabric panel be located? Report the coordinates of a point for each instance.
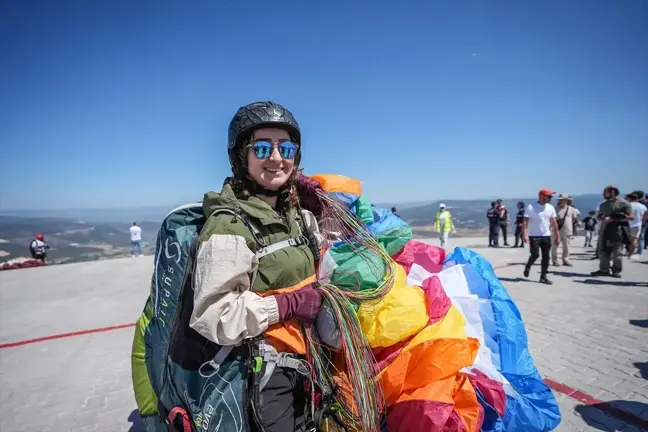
(466, 403)
(456, 391)
(418, 372)
(438, 346)
(338, 183)
(287, 336)
(290, 289)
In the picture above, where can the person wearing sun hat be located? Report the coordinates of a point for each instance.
(566, 219)
(539, 222)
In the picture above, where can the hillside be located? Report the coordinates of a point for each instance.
(469, 216)
(74, 237)
(70, 240)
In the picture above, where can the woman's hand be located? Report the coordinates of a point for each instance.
(303, 304)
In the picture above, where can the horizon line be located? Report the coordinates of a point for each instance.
(172, 206)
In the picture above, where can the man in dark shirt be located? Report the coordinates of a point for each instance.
(519, 221)
(503, 219)
(614, 213)
(590, 226)
(493, 225)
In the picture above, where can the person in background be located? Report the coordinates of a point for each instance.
(590, 226)
(493, 225)
(136, 240)
(570, 202)
(443, 224)
(643, 199)
(539, 221)
(600, 231)
(566, 218)
(38, 248)
(393, 210)
(614, 214)
(519, 221)
(640, 213)
(503, 219)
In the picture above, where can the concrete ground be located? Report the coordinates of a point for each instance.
(587, 334)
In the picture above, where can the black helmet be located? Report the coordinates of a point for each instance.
(257, 115)
(261, 114)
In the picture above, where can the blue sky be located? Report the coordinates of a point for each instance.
(120, 103)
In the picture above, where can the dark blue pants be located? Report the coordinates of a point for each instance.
(493, 235)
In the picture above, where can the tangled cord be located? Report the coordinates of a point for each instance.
(363, 408)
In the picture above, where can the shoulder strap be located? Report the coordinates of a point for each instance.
(263, 248)
(258, 237)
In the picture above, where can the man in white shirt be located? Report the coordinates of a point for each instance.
(539, 221)
(136, 239)
(640, 217)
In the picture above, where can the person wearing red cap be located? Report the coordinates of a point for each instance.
(539, 221)
(38, 248)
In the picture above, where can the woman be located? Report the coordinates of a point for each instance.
(259, 282)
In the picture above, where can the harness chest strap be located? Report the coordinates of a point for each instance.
(299, 241)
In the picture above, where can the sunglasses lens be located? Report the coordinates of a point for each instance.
(262, 149)
(288, 150)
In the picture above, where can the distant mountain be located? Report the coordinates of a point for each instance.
(71, 240)
(87, 234)
(122, 215)
(471, 214)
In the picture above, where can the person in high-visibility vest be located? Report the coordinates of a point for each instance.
(443, 224)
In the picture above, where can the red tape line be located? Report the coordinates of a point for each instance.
(607, 407)
(65, 335)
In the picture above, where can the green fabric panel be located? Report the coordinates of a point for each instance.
(394, 240)
(144, 395)
(363, 210)
(359, 268)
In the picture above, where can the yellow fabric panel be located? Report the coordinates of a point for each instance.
(399, 315)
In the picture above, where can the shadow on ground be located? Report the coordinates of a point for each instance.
(136, 420)
(610, 416)
(568, 274)
(640, 323)
(643, 369)
(613, 282)
(516, 279)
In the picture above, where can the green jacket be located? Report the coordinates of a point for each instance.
(227, 307)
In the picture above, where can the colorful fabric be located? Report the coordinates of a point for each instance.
(450, 344)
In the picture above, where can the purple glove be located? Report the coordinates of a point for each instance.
(302, 304)
(307, 190)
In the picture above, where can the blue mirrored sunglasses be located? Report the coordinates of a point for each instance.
(264, 149)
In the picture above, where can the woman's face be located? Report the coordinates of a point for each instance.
(274, 171)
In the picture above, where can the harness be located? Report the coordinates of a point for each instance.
(38, 246)
(264, 358)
